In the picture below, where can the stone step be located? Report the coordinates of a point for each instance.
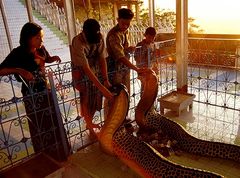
(38, 166)
(55, 40)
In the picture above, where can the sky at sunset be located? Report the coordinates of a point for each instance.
(214, 16)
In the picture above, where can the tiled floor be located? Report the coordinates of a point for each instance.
(206, 122)
(210, 123)
(95, 163)
(215, 124)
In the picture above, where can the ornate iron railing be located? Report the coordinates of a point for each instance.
(216, 86)
(15, 139)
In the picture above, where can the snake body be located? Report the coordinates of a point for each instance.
(139, 155)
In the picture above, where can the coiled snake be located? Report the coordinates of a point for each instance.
(139, 155)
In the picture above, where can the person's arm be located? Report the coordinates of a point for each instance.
(103, 64)
(25, 74)
(96, 82)
(79, 59)
(12, 65)
(125, 61)
(48, 57)
(103, 67)
(118, 50)
(54, 59)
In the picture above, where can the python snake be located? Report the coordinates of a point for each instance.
(139, 155)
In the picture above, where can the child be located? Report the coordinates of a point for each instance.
(144, 49)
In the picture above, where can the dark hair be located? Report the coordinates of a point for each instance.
(28, 31)
(91, 25)
(125, 13)
(150, 31)
(91, 29)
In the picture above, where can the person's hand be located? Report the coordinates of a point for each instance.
(131, 49)
(56, 59)
(155, 68)
(107, 84)
(143, 70)
(39, 59)
(109, 95)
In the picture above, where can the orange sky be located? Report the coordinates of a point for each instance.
(214, 16)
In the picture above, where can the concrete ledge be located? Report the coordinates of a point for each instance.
(37, 166)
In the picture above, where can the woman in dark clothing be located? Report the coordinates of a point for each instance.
(27, 62)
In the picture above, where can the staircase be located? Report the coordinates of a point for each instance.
(16, 13)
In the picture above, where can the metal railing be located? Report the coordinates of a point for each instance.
(15, 139)
(213, 72)
(217, 86)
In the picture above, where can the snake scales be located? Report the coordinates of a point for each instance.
(139, 155)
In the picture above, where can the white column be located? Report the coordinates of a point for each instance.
(181, 43)
(70, 19)
(115, 13)
(151, 8)
(29, 10)
(2, 8)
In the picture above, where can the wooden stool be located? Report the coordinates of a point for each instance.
(176, 101)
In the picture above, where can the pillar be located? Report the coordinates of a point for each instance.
(181, 44)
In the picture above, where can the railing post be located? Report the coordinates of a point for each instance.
(59, 118)
(6, 25)
(237, 61)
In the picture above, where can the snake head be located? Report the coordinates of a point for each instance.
(147, 75)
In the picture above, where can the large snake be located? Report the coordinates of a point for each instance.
(139, 155)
